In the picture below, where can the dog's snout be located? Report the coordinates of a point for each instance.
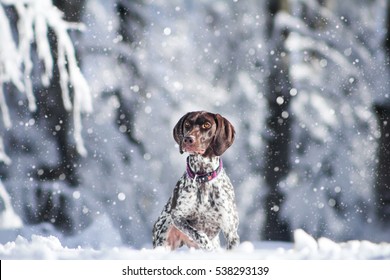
(189, 140)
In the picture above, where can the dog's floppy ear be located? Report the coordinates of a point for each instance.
(178, 131)
(224, 135)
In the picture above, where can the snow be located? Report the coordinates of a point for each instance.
(304, 247)
(8, 218)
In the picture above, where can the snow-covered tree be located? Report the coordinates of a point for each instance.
(29, 58)
(336, 72)
(36, 21)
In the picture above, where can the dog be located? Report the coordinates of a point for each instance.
(203, 201)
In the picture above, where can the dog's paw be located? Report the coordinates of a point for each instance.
(204, 242)
(207, 246)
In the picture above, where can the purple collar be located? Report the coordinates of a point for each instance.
(203, 177)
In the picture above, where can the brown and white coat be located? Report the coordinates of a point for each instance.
(203, 200)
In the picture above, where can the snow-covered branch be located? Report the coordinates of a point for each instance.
(8, 218)
(344, 37)
(332, 37)
(3, 156)
(35, 18)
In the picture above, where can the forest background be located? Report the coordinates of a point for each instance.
(88, 105)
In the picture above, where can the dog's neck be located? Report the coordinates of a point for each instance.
(201, 165)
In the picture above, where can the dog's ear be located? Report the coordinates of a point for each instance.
(178, 131)
(224, 135)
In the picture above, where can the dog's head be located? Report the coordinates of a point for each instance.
(203, 133)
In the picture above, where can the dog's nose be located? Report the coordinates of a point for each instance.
(189, 140)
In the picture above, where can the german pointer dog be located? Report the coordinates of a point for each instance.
(202, 203)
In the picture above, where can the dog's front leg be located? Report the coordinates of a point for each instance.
(232, 240)
(200, 238)
(230, 230)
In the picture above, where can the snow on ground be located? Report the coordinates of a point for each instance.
(303, 247)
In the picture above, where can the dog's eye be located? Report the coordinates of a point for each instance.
(206, 125)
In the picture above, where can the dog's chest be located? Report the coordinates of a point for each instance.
(210, 199)
(208, 210)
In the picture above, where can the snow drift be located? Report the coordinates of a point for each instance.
(304, 247)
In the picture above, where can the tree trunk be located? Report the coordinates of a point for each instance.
(277, 155)
(56, 124)
(382, 184)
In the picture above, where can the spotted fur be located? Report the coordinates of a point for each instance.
(197, 211)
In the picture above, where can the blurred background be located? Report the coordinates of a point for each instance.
(304, 82)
